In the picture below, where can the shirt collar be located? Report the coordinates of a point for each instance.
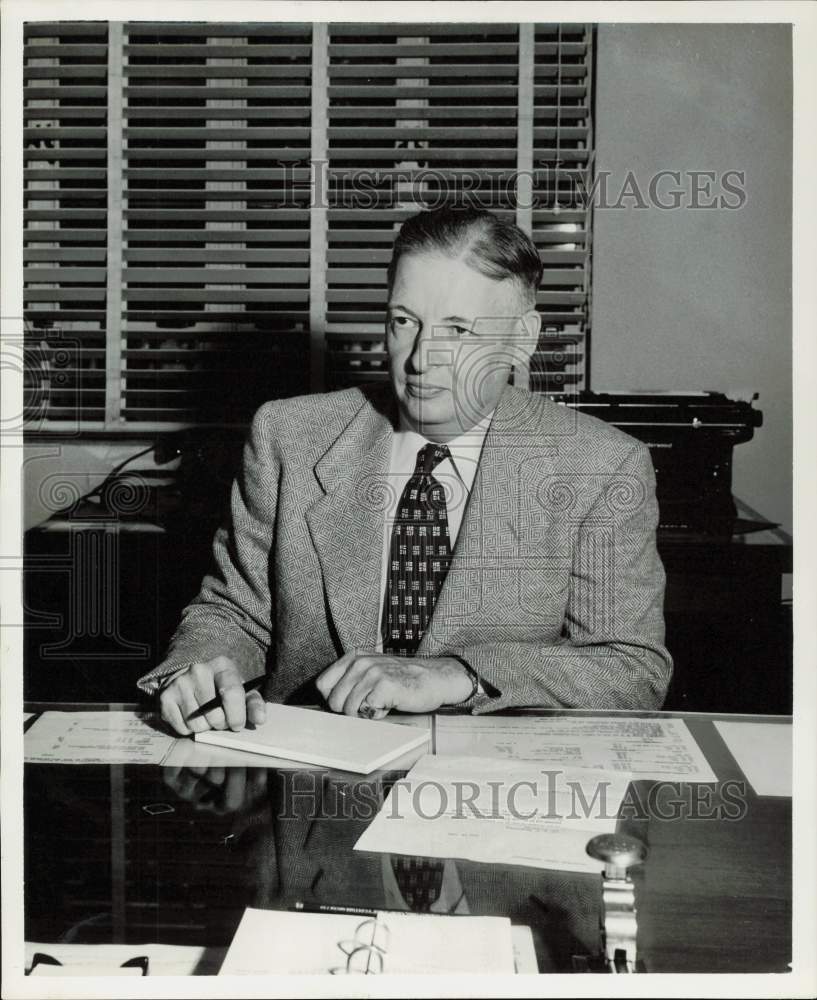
(465, 449)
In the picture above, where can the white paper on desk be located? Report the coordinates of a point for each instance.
(188, 753)
(763, 752)
(497, 811)
(96, 738)
(105, 959)
(271, 941)
(657, 749)
(524, 952)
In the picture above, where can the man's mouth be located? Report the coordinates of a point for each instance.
(423, 390)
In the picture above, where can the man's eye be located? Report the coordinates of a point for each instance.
(460, 331)
(401, 324)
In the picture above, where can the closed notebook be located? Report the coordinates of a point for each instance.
(324, 738)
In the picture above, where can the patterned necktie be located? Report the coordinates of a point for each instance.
(420, 555)
(419, 880)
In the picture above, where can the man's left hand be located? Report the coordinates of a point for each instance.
(381, 682)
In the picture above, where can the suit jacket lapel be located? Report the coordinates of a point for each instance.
(503, 515)
(346, 524)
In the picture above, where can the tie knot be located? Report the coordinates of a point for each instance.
(430, 456)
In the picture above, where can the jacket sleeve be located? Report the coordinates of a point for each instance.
(612, 654)
(232, 614)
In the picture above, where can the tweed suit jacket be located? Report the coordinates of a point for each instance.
(555, 590)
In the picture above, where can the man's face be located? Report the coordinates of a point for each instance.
(453, 335)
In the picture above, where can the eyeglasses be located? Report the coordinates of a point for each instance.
(366, 951)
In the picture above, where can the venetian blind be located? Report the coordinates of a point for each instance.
(210, 207)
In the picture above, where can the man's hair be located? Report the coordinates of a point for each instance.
(493, 246)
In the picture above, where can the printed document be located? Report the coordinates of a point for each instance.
(658, 749)
(498, 811)
(763, 752)
(96, 738)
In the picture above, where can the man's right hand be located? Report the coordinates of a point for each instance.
(202, 682)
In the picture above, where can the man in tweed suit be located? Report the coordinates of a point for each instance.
(553, 594)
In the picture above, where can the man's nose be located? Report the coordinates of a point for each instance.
(427, 351)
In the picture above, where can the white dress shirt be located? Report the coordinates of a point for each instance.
(456, 475)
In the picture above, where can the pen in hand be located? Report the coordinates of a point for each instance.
(214, 703)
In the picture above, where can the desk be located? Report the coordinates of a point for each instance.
(108, 861)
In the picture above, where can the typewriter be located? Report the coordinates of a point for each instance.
(690, 436)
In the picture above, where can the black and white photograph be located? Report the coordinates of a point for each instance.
(407, 419)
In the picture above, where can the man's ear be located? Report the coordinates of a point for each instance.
(531, 326)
